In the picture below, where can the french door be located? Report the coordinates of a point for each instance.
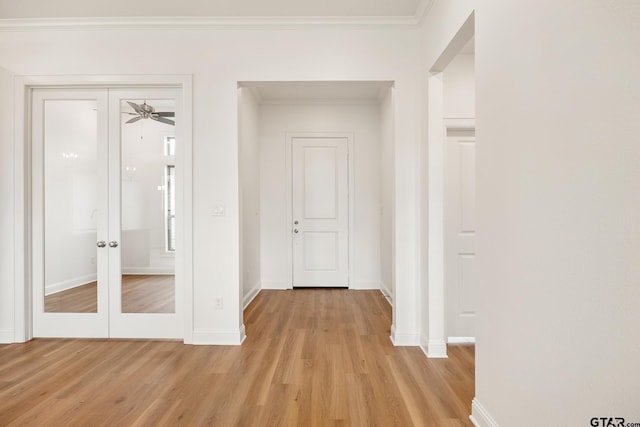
(103, 213)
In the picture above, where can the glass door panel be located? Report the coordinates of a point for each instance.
(70, 193)
(147, 185)
(69, 164)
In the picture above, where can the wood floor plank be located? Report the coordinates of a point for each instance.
(313, 357)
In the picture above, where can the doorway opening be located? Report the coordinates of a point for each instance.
(449, 301)
(316, 183)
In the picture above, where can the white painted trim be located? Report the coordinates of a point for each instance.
(208, 23)
(351, 195)
(279, 286)
(423, 10)
(386, 291)
(219, 336)
(460, 124)
(404, 338)
(22, 194)
(312, 101)
(65, 285)
(480, 417)
(437, 349)
(461, 340)
(155, 271)
(6, 336)
(250, 296)
(436, 345)
(364, 285)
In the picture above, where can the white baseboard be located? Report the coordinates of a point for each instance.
(362, 286)
(404, 338)
(250, 296)
(149, 270)
(436, 349)
(65, 285)
(219, 336)
(6, 336)
(480, 417)
(386, 291)
(461, 340)
(275, 285)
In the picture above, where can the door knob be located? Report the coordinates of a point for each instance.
(113, 244)
(295, 222)
(295, 230)
(101, 244)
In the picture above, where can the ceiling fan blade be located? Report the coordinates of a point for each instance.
(136, 107)
(133, 120)
(163, 120)
(165, 113)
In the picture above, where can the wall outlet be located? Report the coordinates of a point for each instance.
(217, 303)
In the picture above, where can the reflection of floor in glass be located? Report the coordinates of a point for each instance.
(140, 294)
(148, 294)
(82, 299)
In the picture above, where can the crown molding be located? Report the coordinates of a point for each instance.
(423, 10)
(209, 23)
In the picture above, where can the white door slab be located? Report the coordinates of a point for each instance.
(137, 199)
(460, 235)
(320, 211)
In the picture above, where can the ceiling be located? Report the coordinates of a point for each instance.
(212, 8)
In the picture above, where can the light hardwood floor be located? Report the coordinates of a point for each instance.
(311, 358)
(140, 294)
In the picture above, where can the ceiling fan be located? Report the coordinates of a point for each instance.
(146, 111)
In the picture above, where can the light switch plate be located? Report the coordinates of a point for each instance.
(218, 210)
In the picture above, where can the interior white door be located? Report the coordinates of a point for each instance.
(145, 299)
(320, 211)
(69, 217)
(104, 214)
(460, 234)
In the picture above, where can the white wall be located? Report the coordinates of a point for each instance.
(558, 206)
(249, 169)
(6, 206)
(387, 173)
(217, 59)
(276, 120)
(459, 84)
(557, 168)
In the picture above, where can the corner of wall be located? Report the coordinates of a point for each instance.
(250, 295)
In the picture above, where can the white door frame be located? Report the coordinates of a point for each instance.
(289, 192)
(23, 329)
